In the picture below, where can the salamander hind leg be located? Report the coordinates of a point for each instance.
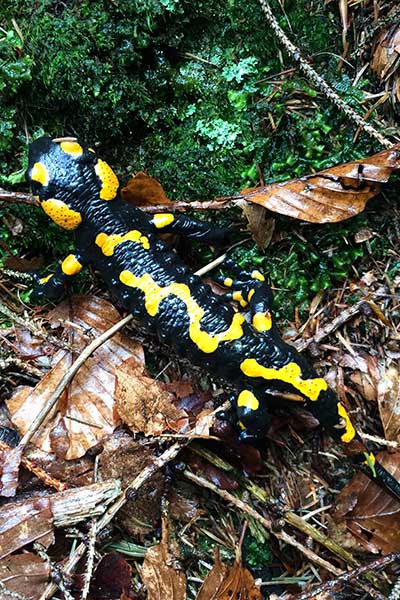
(252, 415)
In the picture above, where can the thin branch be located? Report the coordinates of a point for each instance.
(354, 574)
(267, 523)
(295, 53)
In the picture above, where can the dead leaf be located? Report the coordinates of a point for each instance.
(224, 583)
(144, 190)
(143, 404)
(181, 508)
(162, 580)
(25, 522)
(371, 514)
(112, 579)
(86, 410)
(10, 461)
(331, 195)
(260, 225)
(124, 458)
(389, 402)
(214, 579)
(385, 61)
(24, 574)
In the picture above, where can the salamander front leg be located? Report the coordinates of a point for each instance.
(192, 228)
(53, 286)
(252, 290)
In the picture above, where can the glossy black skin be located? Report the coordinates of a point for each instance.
(74, 181)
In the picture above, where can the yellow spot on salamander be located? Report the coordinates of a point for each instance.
(242, 427)
(370, 461)
(290, 373)
(228, 282)
(107, 243)
(154, 294)
(262, 321)
(250, 294)
(46, 279)
(40, 173)
(72, 148)
(61, 214)
(163, 220)
(257, 275)
(109, 180)
(237, 296)
(350, 431)
(71, 265)
(247, 399)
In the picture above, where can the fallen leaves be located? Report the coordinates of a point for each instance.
(161, 579)
(224, 582)
(332, 195)
(143, 404)
(371, 514)
(25, 575)
(144, 190)
(389, 402)
(385, 60)
(86, 409)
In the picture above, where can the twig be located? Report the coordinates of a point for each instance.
(33, 328)
(18, 197)
(330, 327)
(315, 78)
(247, 509)
(91, 544)
(355, 573)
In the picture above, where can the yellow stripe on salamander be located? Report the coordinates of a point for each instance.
(154, 294)
(350, 431)
(107, 243)
(70, 147)
(40, 173)
(262, 321)
(109, 180)
(247, 399)
(290, 373)
(161, 220)
(71, 265)
(61, 214)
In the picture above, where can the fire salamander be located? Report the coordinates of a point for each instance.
(80, 192)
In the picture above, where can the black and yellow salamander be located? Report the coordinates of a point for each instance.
(79, 191)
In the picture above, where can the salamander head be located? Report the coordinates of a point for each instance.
(68, 177)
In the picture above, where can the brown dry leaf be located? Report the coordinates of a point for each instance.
(143, 404)
(385, 61)
(112, 579)
(331, 195)
(24, 574)
(260, 225)
(86, 411)
(25, 522)
(124, 458)
(371, 514)
(144, 190)
(389, 402)
(10, 461)
(162, 580)
(224, 583)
